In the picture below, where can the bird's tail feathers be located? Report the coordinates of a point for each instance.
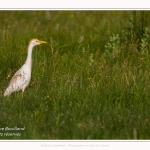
(7, 92)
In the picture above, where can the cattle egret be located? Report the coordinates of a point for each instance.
(22, 77)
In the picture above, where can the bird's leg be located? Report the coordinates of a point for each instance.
(23, 91)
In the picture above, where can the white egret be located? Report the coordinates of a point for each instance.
(21, 78)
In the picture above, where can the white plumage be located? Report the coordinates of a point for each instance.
(22, 77)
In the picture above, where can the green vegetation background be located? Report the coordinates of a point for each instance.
(91, 81)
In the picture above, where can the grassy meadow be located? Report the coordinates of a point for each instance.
(91, 81)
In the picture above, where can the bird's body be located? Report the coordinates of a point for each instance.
(21, 78)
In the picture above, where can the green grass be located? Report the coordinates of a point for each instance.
(91, 81)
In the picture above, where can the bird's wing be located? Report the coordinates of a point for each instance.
(19, 79)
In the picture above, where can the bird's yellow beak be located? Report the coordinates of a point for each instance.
(41, 42)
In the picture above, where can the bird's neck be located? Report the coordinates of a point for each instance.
(29, 56)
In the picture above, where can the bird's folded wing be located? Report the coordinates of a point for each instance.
(18, 80)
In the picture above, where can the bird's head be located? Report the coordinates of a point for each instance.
(35, 42)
